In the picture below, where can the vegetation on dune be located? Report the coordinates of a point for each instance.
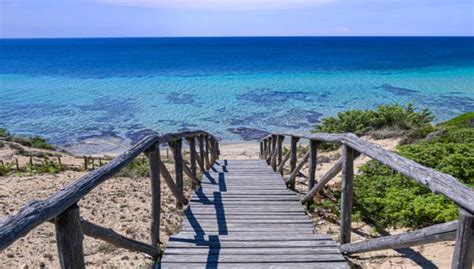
(393, 118)
(384, 122)
(45, 167)
(139, 167)
(28, 141)
(386, 198)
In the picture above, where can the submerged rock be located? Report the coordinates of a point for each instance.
(248, 134)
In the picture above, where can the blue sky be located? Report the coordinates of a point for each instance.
(125, 18)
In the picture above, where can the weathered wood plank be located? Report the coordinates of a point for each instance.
(251, 237)
(171, 185)
(296, 171)
(110, 236)
(464, 249)
(313, 161)
(155, 178)
(346, 193)
(256, 244)
(293, 158)
(206, 152)
(428, 235)
(256, 258)
(69, 238)
(275, 144)
(272, 265)
(330, 174)
(255, 251)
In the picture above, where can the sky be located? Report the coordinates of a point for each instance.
(176, 18)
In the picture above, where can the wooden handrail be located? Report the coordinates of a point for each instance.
(436, 181)
(36, 212)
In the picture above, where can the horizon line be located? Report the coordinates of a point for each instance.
(237, 36)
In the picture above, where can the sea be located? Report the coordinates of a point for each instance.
(238, 88)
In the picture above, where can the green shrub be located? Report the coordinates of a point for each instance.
(388, 199)
(388, 117)
(139, 167)
(451, 158)
(45, 167)
(5, 169)
(463, 120)
(4, 133)
(32, 142)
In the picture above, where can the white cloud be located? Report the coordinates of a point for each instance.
(222, 4)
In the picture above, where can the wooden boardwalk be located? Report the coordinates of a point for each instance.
(243, 216)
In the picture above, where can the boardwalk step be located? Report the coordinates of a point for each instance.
(243, 216)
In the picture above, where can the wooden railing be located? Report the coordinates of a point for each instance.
(462, 231)
(61, 207)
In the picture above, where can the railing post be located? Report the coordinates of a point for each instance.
(274, 152)
(270, 150)
(178, 163)
(313, 145)
(293, 157)
(280, 150)
(214, 149)
(464, 249)
(192, 157)
(261, 150)
(69, 238)
(206, 154)
(265, 149)
(201, 153)
(155, 158)
(346, 193)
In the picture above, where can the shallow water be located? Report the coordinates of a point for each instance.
(238, 88)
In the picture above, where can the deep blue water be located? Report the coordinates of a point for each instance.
(68, 89)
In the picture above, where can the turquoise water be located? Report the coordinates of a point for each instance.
(68, 91)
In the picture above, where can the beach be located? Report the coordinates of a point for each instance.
(123, 204)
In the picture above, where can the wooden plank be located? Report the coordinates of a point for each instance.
(330, 174)
(193, 157)
(255, 258)
(346, 193)
(278, 265)
(110, 236)
(464, 248)
(247, 237)
(202, 154)
(155, 160)
(280, 149)
(171, 185)
(275, 152)
(69, 239)
(206, 152)
(255, 251)
(428, 235)
(220, 230)
(313, 146)
(283, 162)
(293, 158)
(295, 172)
(256, 244)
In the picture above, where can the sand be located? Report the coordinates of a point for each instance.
(123, 204)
